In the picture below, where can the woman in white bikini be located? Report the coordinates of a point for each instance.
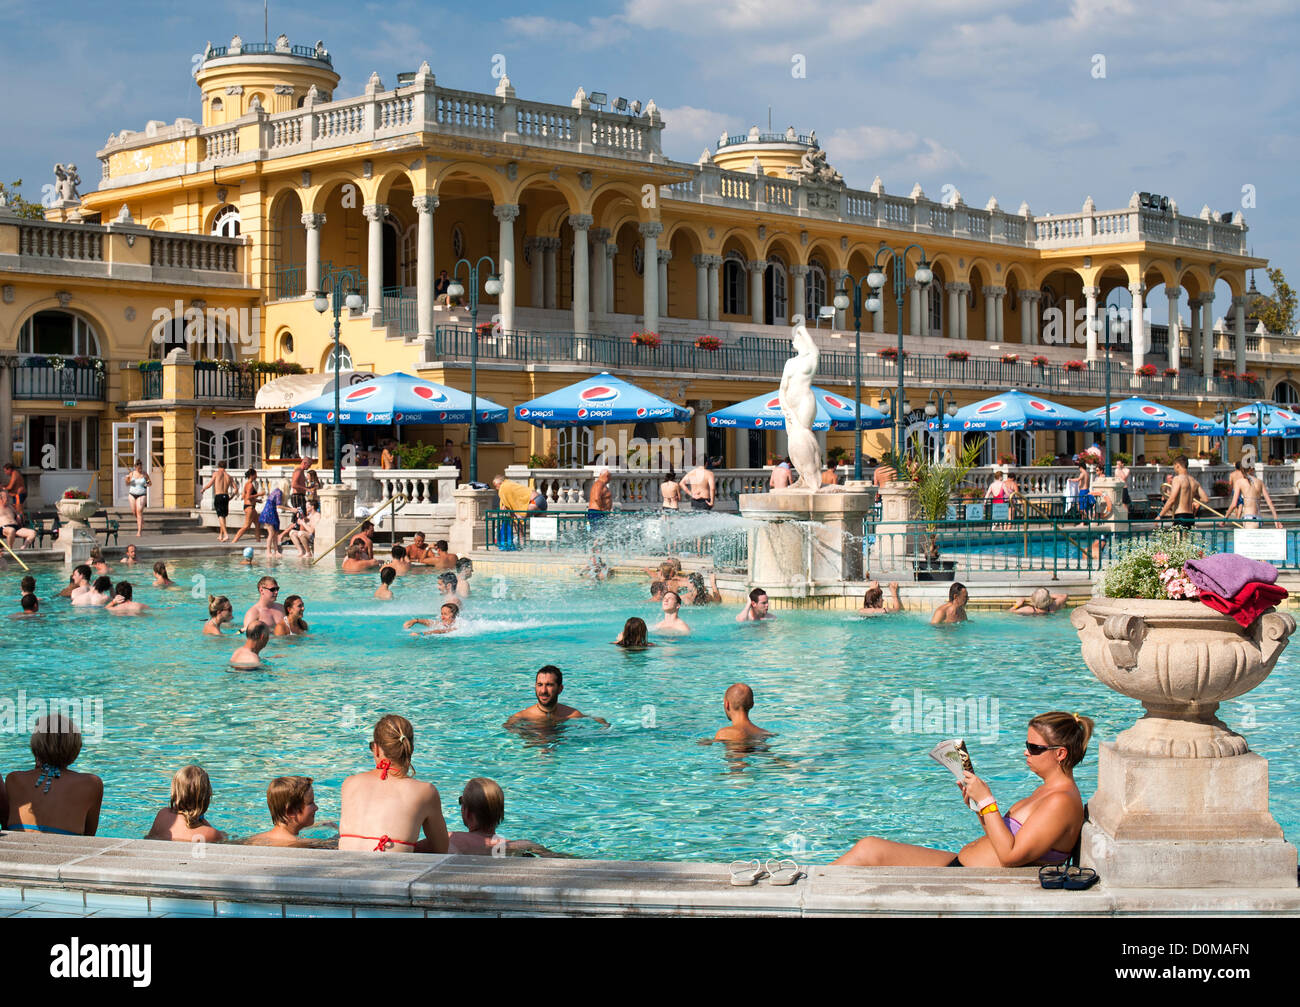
(137, 488)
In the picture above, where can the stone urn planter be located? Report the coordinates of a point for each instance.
(75, 537)
(1181, 800)
(75, 512)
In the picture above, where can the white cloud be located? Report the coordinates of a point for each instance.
(596, 33)
(687, 130)
(881, 150)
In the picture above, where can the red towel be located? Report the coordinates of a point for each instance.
(1248, 604)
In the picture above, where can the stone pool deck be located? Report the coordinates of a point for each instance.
(73, 876)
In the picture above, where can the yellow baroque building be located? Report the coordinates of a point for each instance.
(280, 188)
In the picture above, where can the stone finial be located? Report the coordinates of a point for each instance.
(1239, 219)
(1173, 207)
(580, 101)
(236, 46)
(877, 186)
(1134, 201)
(374, 85)
(992, 204)
(754, 134)
(1261, 329)
(917, 192)
(956, 198)
(756, 166)
(790, 134)
(312, 96)
(652, 112)
(706, 157)
(1024, 208)
(1205, 212)
(124, 216)
(504, 88)
(282, 43)
(1089, 206)
(424, 75)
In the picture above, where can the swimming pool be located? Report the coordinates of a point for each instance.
(850, 757)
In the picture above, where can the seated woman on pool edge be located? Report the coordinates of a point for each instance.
(1040, 828)
(385, 805)
(51, 797)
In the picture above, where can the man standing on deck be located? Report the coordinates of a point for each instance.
(221, 484)
(700, 485)
(298, 485)
(601, 498)
(1185, 496)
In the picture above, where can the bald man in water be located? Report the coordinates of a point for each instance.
(736, 703)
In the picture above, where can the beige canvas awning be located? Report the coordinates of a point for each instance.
(293, 389)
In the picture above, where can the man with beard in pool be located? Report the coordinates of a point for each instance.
(548, 710)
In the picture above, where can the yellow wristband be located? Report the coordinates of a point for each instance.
(989, 809)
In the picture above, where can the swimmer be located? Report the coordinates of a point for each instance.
(1246, 493)
(248, 556)
(78, 584)
(30, 606)
(442, 559)
(293, 624)
(356, 560)
(220, 612)
(399, 563)
(122, 603)
(384, 808)
(447, 621)
(657, 589)
(954, 609)
(267, 610)
(671, 622)
(160, 578)
(1041, 602)
(132, 557)
(736, 704)
(698, 594)
(547, 686)
(756, 609)
(633, 636)
(875, 603)
(51, 797)
(28, 584)
(183, 821)
(364, 538)
(97, 561)
(482, 809)
(256, 638)
(292, 803)
(99, 595)
(418, 551)
(1039, 829)
(385, 590)
(448, 586)
(464, 572)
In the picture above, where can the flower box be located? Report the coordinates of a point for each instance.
(710, 343)
(646, 338)
(889, 353)
(1075, 365)
(1010, 358)
(957, 355)
(1249, 376)
(1146, 371)
(1171, 372)
(1039, 361)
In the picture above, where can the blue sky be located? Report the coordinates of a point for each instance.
(995, 98)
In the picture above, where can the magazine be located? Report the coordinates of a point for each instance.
(954, 757)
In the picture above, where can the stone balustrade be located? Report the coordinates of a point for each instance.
(635, 489)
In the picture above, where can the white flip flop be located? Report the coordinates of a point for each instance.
(746, 872)
(783, 875)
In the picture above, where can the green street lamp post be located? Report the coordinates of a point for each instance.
(492, 287)
(332, 294)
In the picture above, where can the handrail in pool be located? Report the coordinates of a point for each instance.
(394, 507)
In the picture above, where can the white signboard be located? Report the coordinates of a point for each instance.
(543, 529)
(1260, 543)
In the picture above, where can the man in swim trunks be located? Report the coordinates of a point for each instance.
(700, 486)
(267, 610)
(601, 499)
(954, 609)
(221, 484)
(1185, 496)
(16, 485)
(1249, 488)
(11, 522)
(547, 686)
(298, 485)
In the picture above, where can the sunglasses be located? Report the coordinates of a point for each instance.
(273, 590)
(1033, 749)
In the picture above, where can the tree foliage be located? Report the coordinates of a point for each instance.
(1278, 311)
(23, 207)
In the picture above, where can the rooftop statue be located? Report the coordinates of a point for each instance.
(814, 168)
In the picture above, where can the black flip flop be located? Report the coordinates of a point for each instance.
(1052, 876)
(1079, 878)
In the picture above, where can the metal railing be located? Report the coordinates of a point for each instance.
(211, 382)
(35, 378)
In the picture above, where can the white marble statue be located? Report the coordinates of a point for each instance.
(799, 407)
(66, 181)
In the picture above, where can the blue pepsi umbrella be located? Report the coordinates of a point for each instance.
(1014, 410)
(397, 398)
(1279, 422)
(763, 412)
(601, 398)
(1137, 413)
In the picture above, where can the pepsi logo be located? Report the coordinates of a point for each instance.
(966, 425)
(443, 416)
(599, 394)
(370, 417)
(833, 401)
(1004, 424)
(483, 417)
(364, 392)
(758, 422)
(431, 394)
(1149, 410)
(990, 407)
(773, 403)
(1042, 407)
(329, 417)
(1286, 416)
(582, 413)
(522, 413)
(642, 411)
(713, 421)
(397, 418)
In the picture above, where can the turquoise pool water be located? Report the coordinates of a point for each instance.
(849, 759)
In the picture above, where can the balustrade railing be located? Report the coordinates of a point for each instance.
(36, 378)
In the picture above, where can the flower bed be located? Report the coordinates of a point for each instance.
(889, 353)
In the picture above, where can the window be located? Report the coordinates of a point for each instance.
(488, 433)
(50, 332)
(776, 291)
(202, 339)
(217, 105)
(60, 442)
(935, 294)
(733, 285)
(410, 251)
(344, 359)
(815, 288)
(205, 447)
(226, 222)
(575, 446)
(232, 448)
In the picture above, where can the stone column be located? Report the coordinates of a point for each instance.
(580, 222)
(1090, 320)
(756, 269)
(913, 308)
(599, 241)
(611, 250)
(1172, 294)
(665, 257)
(1035, 299)
(701, 263)
(1137, 328)
(424, 207)
(1207, 336)
(990, 317)
(1194, 333)
(375, 214)
(799, 291)
(550, 246)
(715, 263)
(1026, 314)
(837, 277)
(533, 249)
(313, 222)
(506, 214)
(742, 448)
(469, 526)
(953, 328)
(1000, 313)
(650, 231)
(958, 324)
(1239, 331)
(338, 505)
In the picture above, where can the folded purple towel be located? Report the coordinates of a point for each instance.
(1226, 573)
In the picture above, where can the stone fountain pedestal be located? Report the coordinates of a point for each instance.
(805, 539)
(75, 537)
(1181, 801)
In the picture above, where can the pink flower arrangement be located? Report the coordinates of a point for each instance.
(1176, 582)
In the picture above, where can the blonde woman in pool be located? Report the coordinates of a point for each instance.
(385, 808)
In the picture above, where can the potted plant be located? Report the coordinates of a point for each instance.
(936, 483)
(1040, 361)
(1171, 372)
(710, 343)
(1149, 621)
(646, 338)
(1146, 371)
(1248, 376)
(957, 355)
(1010, 358)
(890, 353)
(75, 507)
(1075, 365)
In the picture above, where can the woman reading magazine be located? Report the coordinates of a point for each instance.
(1039, 829)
